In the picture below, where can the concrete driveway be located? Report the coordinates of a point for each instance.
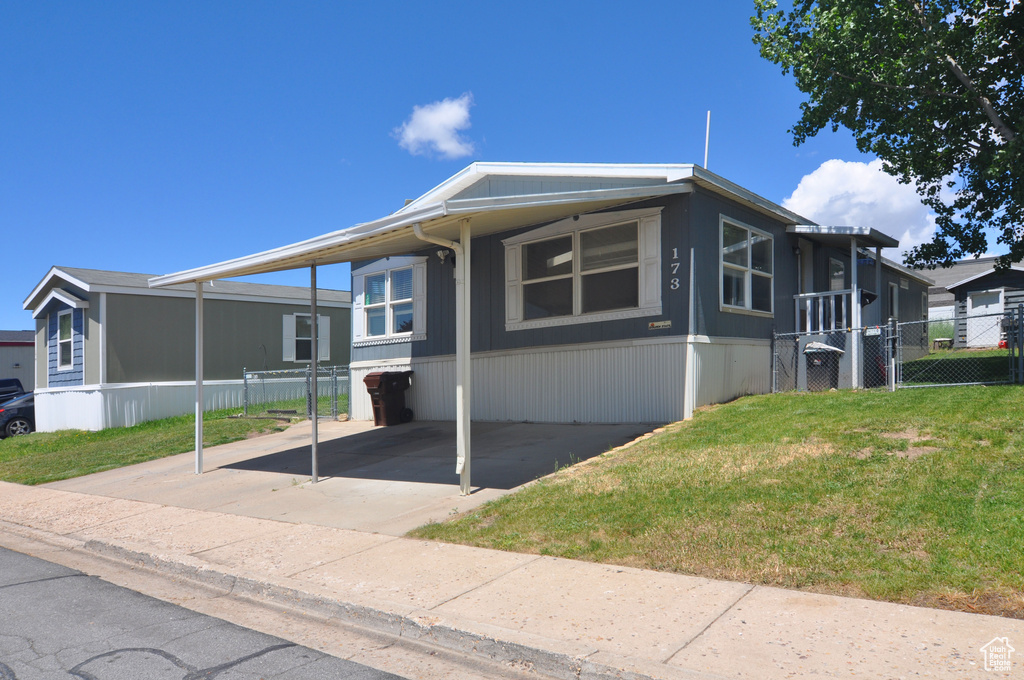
(387, 480)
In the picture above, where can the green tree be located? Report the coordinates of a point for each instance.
(935, 89)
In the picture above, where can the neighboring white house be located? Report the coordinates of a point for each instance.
(110, 351)
(17, 357)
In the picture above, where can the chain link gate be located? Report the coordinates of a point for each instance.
(982, 349)
(290, 392)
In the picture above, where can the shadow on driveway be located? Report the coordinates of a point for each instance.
(503, 456)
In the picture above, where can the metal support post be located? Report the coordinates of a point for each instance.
(313, 354)
(199, 377)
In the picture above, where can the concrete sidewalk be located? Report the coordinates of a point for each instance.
(551, 617)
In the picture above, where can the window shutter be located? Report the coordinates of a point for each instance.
(650, 261)
(288, 337)
(323, 338)
(358, 319)
(513, 285)
(419, 299)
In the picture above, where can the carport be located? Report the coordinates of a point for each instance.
(447, 223)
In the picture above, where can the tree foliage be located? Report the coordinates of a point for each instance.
(935, 89)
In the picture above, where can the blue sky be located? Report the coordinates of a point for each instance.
(154, 137)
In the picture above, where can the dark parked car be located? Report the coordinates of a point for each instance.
(10, 388)
(18, 416)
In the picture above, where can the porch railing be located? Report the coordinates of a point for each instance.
(819, 312)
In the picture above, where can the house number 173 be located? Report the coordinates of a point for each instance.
(673, 282)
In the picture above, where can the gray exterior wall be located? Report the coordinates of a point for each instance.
(879, 311)
(687, 220)
(152, 339)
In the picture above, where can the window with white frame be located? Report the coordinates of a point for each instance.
(583, 269)
(746, 264)
(389, 301)
(298, 338)
(65, 355)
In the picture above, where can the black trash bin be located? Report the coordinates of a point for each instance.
(822, 366)
(387, 394)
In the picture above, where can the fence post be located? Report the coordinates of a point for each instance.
(775, 360)
(245, 392)
(308, 403)
(334, 392)
(893, 331)
(1020, 343)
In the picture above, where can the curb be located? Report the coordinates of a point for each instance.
(572, 662)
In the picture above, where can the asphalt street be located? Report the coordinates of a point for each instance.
(56, 622)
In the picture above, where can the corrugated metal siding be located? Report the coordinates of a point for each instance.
(123, 406)
(615, 382)
(25, 359)
(725, 370)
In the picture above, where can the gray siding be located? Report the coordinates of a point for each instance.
(151, 339)
(1011, 281)
(679, 213)
(704, 239)
(74, 375)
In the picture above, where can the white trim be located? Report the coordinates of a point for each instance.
(391, 233)
(71, 341)
(748, 271)
(894, 300)
(648, 266)
(67, 298)
(55, 272)
(417, 264)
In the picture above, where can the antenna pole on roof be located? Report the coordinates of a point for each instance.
(707, 136)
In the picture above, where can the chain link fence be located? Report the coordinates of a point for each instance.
(289, 392)
(980, 349)
(824, 361)
(983, 349)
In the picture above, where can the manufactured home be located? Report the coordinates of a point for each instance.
(593, 292)
(110, 351)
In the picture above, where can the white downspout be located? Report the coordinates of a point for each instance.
(199, 377)
(463, 368)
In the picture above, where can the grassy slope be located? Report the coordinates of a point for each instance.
(913, 496)
(47, 457)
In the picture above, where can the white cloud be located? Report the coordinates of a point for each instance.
(841, 193)
(435, 128)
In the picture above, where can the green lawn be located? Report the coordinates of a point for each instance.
(951, 366)
(913, 496)
(40, 457)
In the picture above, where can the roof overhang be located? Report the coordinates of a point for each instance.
(60, 295)
(1013, 267)
(393, 235)
(32, 301)
(839, 237)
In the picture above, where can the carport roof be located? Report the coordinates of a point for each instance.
(541, 192)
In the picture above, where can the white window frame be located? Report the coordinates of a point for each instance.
(747, 270)
(290, 337)
(418, 265)
(648, 268)
(70, 341)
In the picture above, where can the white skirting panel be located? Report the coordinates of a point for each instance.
(620, 382)
(96, 407)
(727, 368)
